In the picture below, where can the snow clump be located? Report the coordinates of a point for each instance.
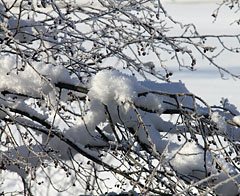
(236, 119)
(220, 122)
(190, 159)
(113, 90)
(30, 80)
(107, 86)
(114, 87)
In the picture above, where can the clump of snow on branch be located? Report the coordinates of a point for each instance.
(21, 29)
(10, 162)
(107, 86)
(110, 88)
(228, 106)
(236, 119)
(114, 90)
(154, 103)
(24, 30)
(188, 160)
(192, 161)
(219, 121)
(32, 79)
(170, 88)
(128, 102)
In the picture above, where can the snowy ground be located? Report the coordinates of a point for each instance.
(206, 81)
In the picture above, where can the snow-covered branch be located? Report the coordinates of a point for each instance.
(67, 107)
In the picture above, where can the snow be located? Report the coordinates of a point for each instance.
(219, 120)
(170, 88)
(236, 119)
(21, 30)
(24, 29)
(116, 91)
(113, 89)
(27, 79)
(189, 159)
(153, 102)
(19, 157)
(206, 81)
(230, 106)
(107, 86)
